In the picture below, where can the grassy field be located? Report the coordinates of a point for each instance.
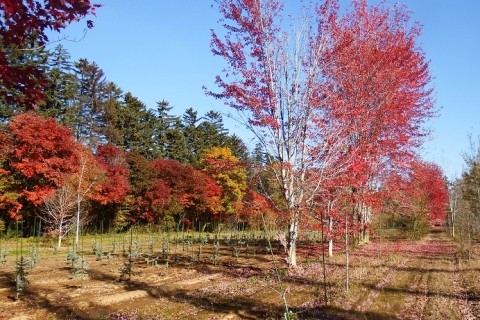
(195, 277)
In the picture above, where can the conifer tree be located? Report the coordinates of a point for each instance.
(137, 127)
(62, 84)
(87, 115)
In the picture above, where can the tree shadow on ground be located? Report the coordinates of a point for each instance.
(470, 295)
(337, 313)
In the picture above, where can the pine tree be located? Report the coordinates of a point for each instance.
(137, 127)
(113, 114)
(177, 148)
(27, 59)
(87, 115)
(191, 133)
(164, 123)
(62, 85)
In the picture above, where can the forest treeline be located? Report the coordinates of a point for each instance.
(339, 113)
(91, 153)
(128, 163)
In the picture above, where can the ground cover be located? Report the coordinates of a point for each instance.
(234, 278)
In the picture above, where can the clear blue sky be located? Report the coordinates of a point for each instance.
(160, 49)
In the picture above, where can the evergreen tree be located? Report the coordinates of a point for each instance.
(62, 85)
(87, 115)
(191, 133)
(238, 148)
(164, 123)
(113, 114)
(137, 127)
(29, 60)
(177, 148)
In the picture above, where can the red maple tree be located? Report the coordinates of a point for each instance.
(114, 187)
(337, 100)
(24, 23)
(38, 154)
(420, 191)
(192, 191)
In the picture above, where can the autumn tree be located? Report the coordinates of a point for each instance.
(114, 186)
(57, 212)
(40, 153)
(110, 193)
(88, 174)
(418, 197)
(274, 80)
(336, 94)
(230, 175)
(382, 78)
(193, 193)
(25, 22)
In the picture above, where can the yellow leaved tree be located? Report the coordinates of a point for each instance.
(230, 175)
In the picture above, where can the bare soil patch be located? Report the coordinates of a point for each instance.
(391, 279)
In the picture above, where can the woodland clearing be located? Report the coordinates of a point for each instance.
(390, 278)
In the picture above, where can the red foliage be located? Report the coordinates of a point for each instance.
(422, 190)
(254, 204)
(174, 188)
(114, 187)
(36, 155)
(190, 188)
(23, 21)
(43, 153)
(246, 56)
(379, 86)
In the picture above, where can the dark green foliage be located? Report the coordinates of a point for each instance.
(62, 84)
(86, 116)
(136, 127)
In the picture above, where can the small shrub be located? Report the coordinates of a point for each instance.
(80, 268)
(21, 276)
(3, 256)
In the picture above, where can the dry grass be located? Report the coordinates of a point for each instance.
(392, 279)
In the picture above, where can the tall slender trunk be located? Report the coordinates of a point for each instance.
(292, 240)
(60, 231)
(325, 295)
(77, 220)
(366, 213)
(347, 255)
(330, 241)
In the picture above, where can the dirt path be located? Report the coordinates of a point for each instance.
(424, 283)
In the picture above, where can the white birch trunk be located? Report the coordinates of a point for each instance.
(330, 241)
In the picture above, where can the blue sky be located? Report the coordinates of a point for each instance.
(159, 49)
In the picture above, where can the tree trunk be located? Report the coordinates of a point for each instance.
(366, 213)
(60, 230)
(325, 294)
(330, 241)
(292, 240)
(77, 224)
(347, 257)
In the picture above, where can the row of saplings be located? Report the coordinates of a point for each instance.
(189, 247)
